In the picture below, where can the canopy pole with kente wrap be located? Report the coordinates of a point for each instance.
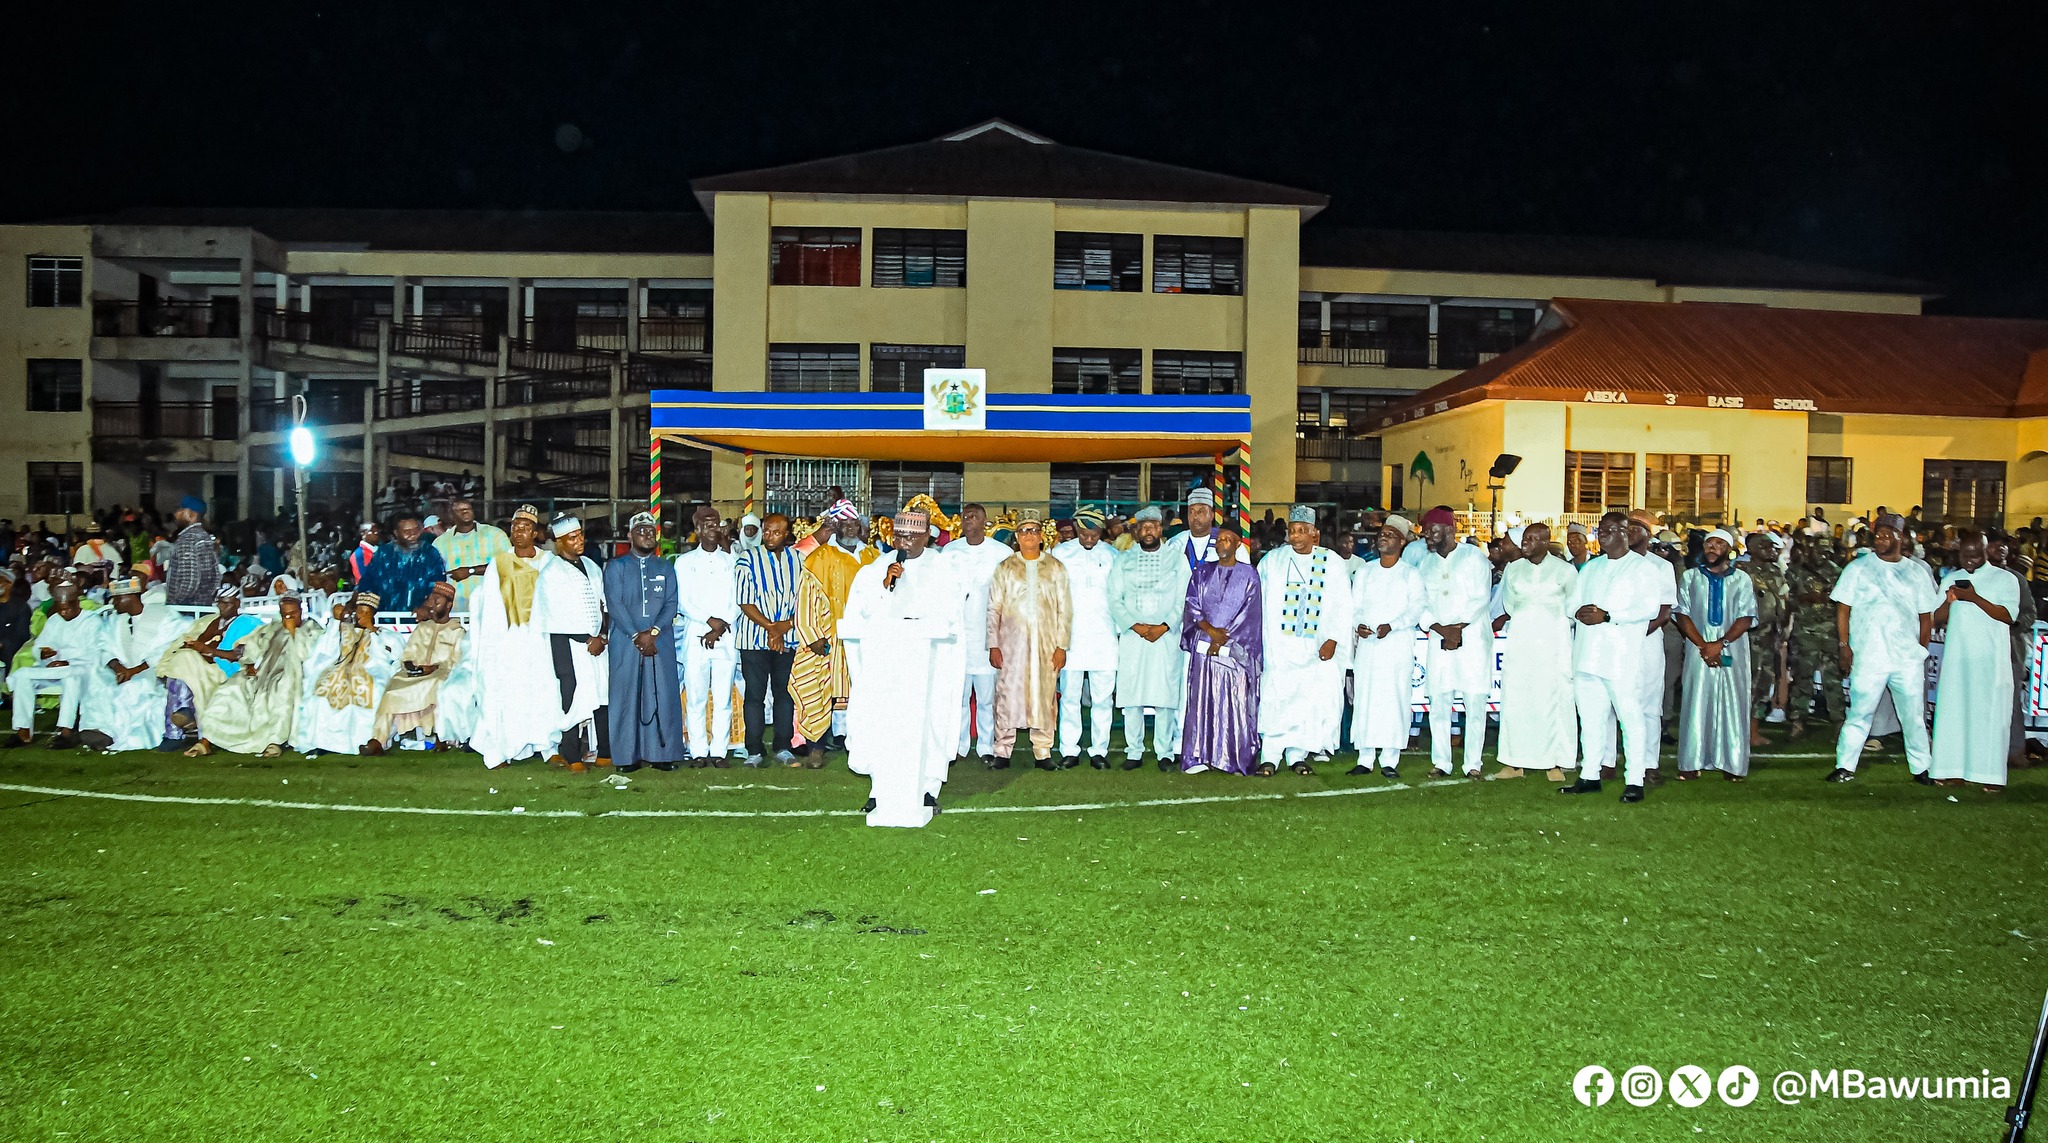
(1219, 478)
(749, 453)
(1244, 487)
(654, 476)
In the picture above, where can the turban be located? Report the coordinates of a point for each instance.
(1645, 517)
(442, 590)
(842, 509)
(193, 504)
(564, 525)
(124, 587)
(1149, 512)
(1201, 496)
(1090, 518)
(369, 599)
(1515, 535)
(642, 520)
(1399, 524)
(1301, 514)
(1439, 516)
(290, 582)
(1892, 520)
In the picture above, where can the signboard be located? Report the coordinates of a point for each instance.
(955, 399)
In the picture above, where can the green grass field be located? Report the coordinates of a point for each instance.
(1427, 962)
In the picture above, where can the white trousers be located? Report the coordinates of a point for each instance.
(1604, 705)
(1166, 727)
(28, 682)
(1389, 757)
(1908, 686)
(980, 732)
(708, 674)
(1101, 688)
(1440, 716)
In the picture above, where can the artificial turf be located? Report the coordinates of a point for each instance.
(1428, 962)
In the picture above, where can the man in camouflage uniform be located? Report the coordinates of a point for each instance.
(1815, 644)
(1767, 637)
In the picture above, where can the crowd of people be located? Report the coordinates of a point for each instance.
(914, 641)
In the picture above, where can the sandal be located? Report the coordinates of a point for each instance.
(1304, 769)
(1265, 770)
(198, 750)
(273, 751)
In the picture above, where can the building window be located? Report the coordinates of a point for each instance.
(1113, 485)
(1964, 493)
(1393, 334)
(900, 368)
(1342, 433)
(675, 321)
(1827, 479)
(891, 484)
(917, 258)
(1098, 262)
(814, 256)
(1192, 265)
(1097, 371)
(54, 281)
(813, 368)
(1687, 485)
(56, 488)
(1171, 484)
(1469, 335)
(1192, 373)
(55, 385)
(1597, 482)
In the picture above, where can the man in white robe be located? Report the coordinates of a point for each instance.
(1716, 609)
(1618, 594)
(707, 652)
(1148, 593)
(1538, 727)
(572, 603)
(1457, 581)
(522, 702)
(1884, 617)
(123, 698)
(1090, 672)
(975, 557)
(1973, 719)
(1386, 607)
(903, 626)
(1305, 606)
(63, 661)
(339, 715)
(1656, 676)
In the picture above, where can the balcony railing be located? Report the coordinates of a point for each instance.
(1406, 351)
(418, 398)
(645, 375)
(454, 447)
(1320, 447)
(216, 317)
(171, 420)
(661, 334)
(566, 385)
(275, 415)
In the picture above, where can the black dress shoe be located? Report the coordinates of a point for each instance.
(664, 766)
(14, 742)
(1924, 778)
(1045, 764)
(1582, 786)
(1631, 793)
(1132, 763)
(996, 763)
(1166, 766)
(932, 800)
(868, 806)
(1069, 762)
(1390, 774)
(1358, 771)
(1099, 763)
(1840, 775)
(627, 767)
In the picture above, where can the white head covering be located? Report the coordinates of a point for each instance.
(1727, 537)
(1515, 535)
(564, 525)
(1399, 524)
(746, 541)
(1201, 496)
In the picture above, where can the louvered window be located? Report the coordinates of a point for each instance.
(920, 258)
(814, 256)
(1197, 265)
(1112, 262)
(1097, 371)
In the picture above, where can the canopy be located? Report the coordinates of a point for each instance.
(1021, 428)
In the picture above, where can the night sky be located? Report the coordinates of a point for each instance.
(1906, 138)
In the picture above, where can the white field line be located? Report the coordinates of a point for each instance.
(274, 804)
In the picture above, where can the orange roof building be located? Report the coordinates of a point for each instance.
(1733, 413)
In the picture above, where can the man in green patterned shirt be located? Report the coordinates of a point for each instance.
(468, 548)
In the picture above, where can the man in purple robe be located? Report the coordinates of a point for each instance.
(1221, 633)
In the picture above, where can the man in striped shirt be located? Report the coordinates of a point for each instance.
(765, 582)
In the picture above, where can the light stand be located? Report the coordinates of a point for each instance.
(302, 450)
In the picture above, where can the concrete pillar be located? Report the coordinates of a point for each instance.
(1272, 297)
(613, 484)
(370, 398)
(636, 300)
(245, 375)
(491, 416)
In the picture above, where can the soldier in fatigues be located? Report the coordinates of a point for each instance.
(1815, 643)
(1767, 638)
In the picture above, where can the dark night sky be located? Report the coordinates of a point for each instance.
(1907, 138)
